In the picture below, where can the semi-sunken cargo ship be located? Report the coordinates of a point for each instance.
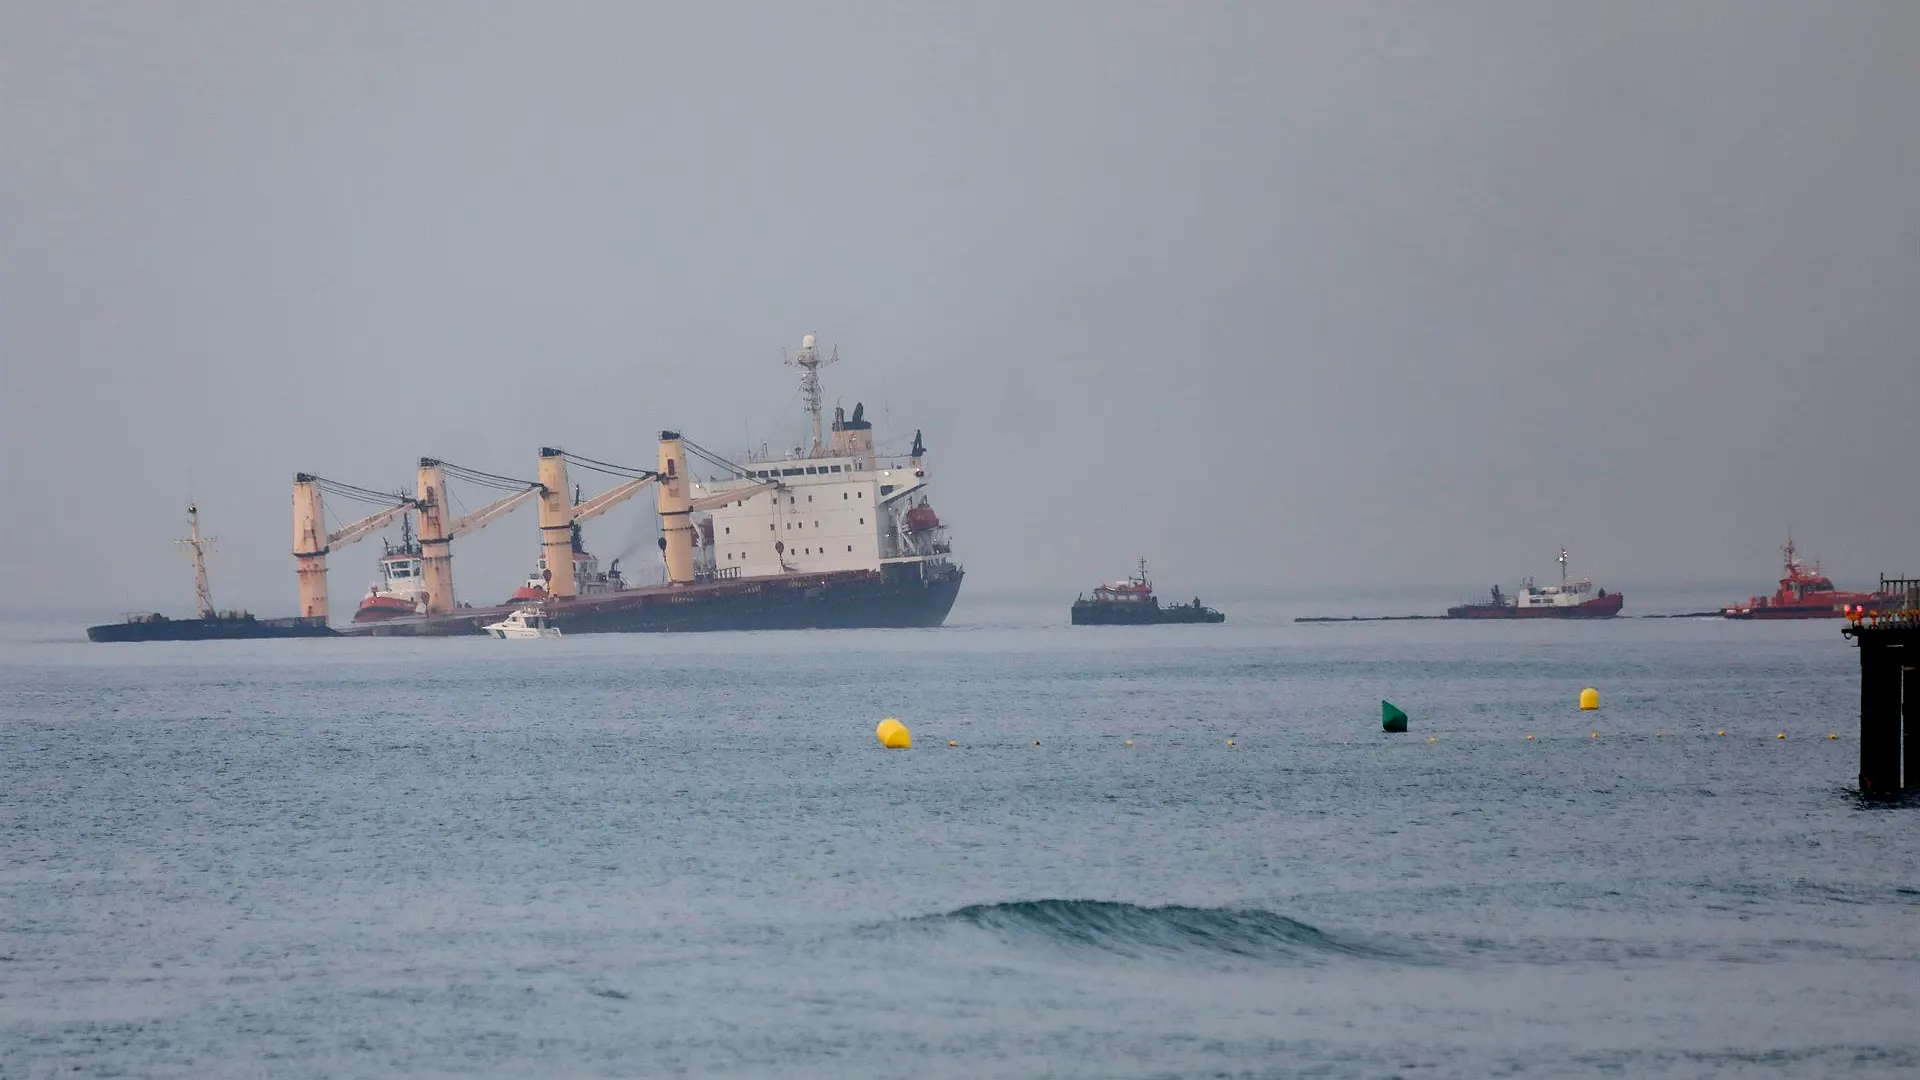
(211, 625)
(1804, 593)
(1570, 599)
(1132, 603)
(834, 535)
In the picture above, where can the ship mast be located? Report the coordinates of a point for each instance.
(197, 547)
(1563, 569)
(809, 361)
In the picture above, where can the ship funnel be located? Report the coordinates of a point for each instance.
(854, 438)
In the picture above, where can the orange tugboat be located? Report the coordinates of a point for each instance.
(1804, 593)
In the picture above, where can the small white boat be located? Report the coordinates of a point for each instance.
(526, 622)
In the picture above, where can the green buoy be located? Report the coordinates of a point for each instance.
(1391, 718)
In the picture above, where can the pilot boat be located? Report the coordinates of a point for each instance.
(526, 622)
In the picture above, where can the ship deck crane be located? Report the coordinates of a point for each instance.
(609, 499)
(559, 515)
(312, 541)
(437, 533)
(714, 502)
(755, 485)
(480, 518)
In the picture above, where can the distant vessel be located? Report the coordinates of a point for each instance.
(1804, 593)
(401, 589)
(1132, 603)
(1568, 600)
(211, 625)
(524, 624)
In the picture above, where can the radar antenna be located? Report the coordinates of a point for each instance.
(197, 546)
(809, 361)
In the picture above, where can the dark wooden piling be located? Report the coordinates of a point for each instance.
(1889, 642)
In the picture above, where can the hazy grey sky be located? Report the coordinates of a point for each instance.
(1295, 294)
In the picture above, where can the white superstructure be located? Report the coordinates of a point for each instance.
(1569, 593)
(838, 507)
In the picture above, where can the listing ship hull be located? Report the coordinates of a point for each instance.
(161, 628)
(896, 596)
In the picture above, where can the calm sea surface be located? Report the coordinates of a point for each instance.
(663, 855)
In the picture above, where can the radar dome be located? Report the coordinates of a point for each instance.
(807, 342)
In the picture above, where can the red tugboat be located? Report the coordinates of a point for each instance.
(401, 590)
(1568, 600)
(1804, 593)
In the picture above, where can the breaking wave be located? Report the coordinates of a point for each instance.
(1172, 931)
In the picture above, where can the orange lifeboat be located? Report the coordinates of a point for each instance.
(921, 518)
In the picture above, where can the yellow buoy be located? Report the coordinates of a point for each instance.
(1831, 735)
(1529, 738)
(1229, 742)
(1596, 734)
(1589, 699)
(953, 742)
(1432, 738)
(1129, 742)
(1719, 733)
(1782, 735)
(893, 735)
